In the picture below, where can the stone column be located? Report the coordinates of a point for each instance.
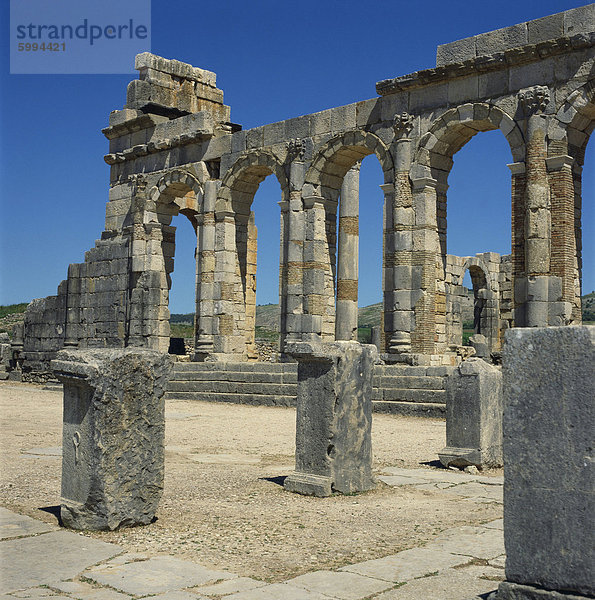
(229, 343)
(563, 244)
(473, 416)
(113, 436)
(537, 208)
(425, 256)
(348, 257)
(292, 252)
(315, 268)
(398, 270)
(334, 418)
(205, 279)
(548, 463)
(518, 185)
(250, 287)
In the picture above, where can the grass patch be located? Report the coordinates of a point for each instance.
(181, 330)
(11, 309)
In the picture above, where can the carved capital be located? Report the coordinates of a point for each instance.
(402, 125)
(534, 99)
(295, 149)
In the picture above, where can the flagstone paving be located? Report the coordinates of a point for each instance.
(463, 563)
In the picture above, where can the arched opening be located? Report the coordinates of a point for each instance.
(177, 199)
(267, 323)
(478, 224)
(256, 224)
(335, 285)
(370, 307)
(182, 286)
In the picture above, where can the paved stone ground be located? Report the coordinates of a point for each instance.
(463, 563)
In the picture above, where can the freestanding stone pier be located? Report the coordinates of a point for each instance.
(473, 416)
(334, 418)
(113, 436)
(549, 500)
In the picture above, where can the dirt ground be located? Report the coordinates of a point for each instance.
(223, 505)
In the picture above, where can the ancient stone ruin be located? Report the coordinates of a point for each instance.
(174, 150)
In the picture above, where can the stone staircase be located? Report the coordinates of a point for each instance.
(402, 390)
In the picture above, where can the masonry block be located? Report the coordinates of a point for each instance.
(334, 418)
(549, 475)
(113, 436)
(473, 416)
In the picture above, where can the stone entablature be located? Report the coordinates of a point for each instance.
(174, 150)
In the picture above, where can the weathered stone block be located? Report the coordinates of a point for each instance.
(473, 416)
(113, 436)
(334, 418)
(548, 463)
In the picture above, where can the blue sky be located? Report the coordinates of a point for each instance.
(274, 60)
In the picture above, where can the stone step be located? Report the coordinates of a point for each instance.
(234, 376)
(410, 409)
(238, 367)
(405, 395)
(233, 387)
(415, 382)
(254, 399)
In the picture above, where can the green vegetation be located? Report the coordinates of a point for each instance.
(11, 315)
(266, 335)
(12, 309)
(181, 330)
(589, 308)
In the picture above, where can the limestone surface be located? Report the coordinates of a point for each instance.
(473, 416)
(113, 436)
(548, 461)
(334, 418)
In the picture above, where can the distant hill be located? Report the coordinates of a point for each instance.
(588, 301)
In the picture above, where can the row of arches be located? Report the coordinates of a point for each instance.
(318, 187)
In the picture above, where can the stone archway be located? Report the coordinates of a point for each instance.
(236, 251)
(331, 183)
(429, 178)
(176, 192)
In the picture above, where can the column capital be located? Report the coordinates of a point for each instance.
(557, 163)
(403, 125)
(311, 201)
(424, 183)
(535, 99)
(283, 205)
(224, 215)
(387, 188)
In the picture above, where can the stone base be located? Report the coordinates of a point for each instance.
(309, 485)
(75, 515)
(516, 591)
(460, 457)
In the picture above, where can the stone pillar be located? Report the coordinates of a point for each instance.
(348, 257)
(548, 463)
(205, 278)
(334, 418)
(292, 255)
(113, 436)
(473, 416)
(398, 270)
(563, 244)
(422, 298)
(316, 266)
(519, 276)
(539, 286)
(250, 287)
(229, 343)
